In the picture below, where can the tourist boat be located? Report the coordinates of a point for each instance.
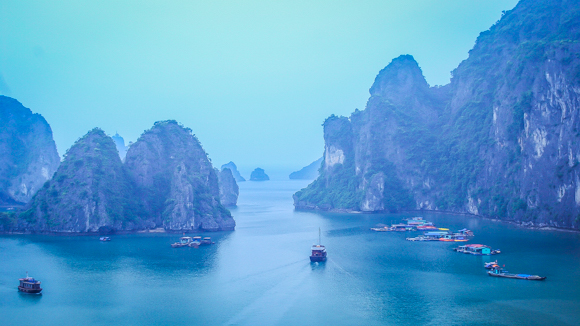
(183, 241)
(498, 272)
(105, 239)
(206, 241)
(426, 226)
(477, 249)
(318, 251)
(29, 285)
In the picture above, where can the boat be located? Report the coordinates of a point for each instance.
(318, 251)
(491, 264)
(465, 232)
(477, 249)
(423, 238)
(498, 272)
(183, 241)
(206, 241)
(29, 285)
(105, 239)
(453, 238)
(383, 229)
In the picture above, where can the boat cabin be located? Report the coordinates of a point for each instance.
(318, 253)
(185, 240)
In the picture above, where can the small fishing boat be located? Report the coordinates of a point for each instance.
(491, 265)
(104, 239)
(465, 232)
(318, 251)
(29, 285)
(206, 241)
(498, 272)
(183, 241)
(383, 229)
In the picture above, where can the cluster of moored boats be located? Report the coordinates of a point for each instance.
(193, 242)
(463, 235)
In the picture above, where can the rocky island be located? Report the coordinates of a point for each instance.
(229, 190)
(309, 172)
(259, 175)
(501, 140)
(234, 170)
(166, 182)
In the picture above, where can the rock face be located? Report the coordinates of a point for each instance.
(229, 189)
(175, 180)
(234, 170)
(501, 140)
(309, 172)
(259, 175)
(29, 157)
(89, 191)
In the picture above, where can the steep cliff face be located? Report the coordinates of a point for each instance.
(29, 157)
(176, 182)
(89, 191)
(501, 140)
(229, 189)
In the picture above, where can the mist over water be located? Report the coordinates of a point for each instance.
(261, 274)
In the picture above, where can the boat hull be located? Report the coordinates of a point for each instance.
(27, 290)
(518, 277)
(317, 258)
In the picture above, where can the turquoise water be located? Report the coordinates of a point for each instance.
(260, 274)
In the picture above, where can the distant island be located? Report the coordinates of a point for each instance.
(309, 172)
(259, 175)
(234, 170)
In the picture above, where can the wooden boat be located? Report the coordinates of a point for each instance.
(453, 238)
(29, 285)
(498, 272)
(183, 241)
(318, 251)
(206, 241)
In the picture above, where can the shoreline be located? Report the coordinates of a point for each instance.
(120, 232)
(523, 225)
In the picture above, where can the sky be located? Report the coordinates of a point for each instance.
(254, 80)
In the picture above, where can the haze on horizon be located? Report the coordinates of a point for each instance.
(254, 80)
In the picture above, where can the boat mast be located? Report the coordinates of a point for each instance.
(319, 236)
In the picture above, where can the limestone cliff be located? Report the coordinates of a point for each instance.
(28, 152)
(229, 189)
(176, 183)
(88, 192)
(501, 140)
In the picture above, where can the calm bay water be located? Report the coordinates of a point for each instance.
(260, 274)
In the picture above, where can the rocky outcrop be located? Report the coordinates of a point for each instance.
(176, 183)
(234, 170)
(309, 172)
(229, 190)
(501, 140)
(29, 157)
(89, 191)
(259, 175)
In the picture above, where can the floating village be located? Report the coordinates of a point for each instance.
(433, 233)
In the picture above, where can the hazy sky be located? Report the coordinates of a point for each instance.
(253, 79)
